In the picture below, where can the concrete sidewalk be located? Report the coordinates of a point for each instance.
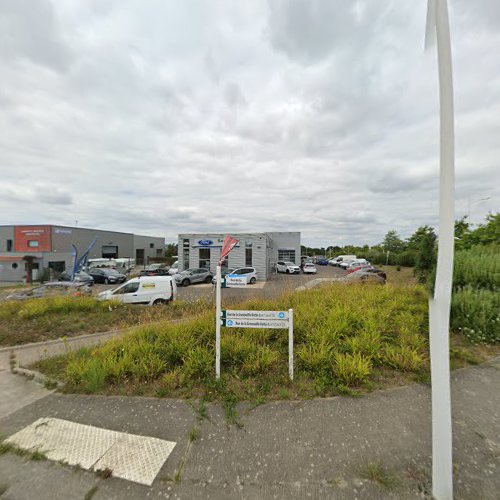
(308, 449)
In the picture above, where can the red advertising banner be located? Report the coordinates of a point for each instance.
(32, 239)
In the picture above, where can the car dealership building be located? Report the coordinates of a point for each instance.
(258, 250)
(51, 248)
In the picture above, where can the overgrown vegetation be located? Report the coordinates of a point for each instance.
(53, 317)
(344, 335)
(476, 296)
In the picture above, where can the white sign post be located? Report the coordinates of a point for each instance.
(290, 343)
(217, 322)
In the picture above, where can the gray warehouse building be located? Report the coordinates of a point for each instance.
(258, 250)
(51, 247)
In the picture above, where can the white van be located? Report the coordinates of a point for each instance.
(148, 290)
(341, 258)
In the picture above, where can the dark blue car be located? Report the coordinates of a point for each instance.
(322, 262)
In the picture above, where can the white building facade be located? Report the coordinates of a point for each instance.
(258, 250)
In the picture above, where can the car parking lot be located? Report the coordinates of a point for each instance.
(278, 284)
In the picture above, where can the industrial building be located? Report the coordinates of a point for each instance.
(51, 248)
(258, 250)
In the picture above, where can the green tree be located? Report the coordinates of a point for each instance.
(487, 233)
(426, 256)
(170, 251)
(392, 242)
(462, 233)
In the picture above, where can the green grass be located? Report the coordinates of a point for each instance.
(30, 454)
(343, 336)
(47, 318)
(378, 474)
(476, 314)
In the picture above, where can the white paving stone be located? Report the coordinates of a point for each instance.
(136, 458)
(128, 456)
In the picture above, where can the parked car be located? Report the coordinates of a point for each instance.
(346, 263)
(287, 267)
(352, 269)
(195, 275)
(157, 271)
(309, 268)
(106, 276)
(153, 267)
(363, 276)
(250, 273)
(51, 289)
(342, 258)
(223, 273)
(174, 268)
(80, 277)
(322, 262)
(358, 263)
(147, 290)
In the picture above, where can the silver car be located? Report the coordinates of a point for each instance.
(195, 275)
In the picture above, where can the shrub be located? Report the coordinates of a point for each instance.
(199, 363)
(476, 314)
(351, 369)
(478, 267)
(314, 357)
(235, 349)
(402, 358)
(260, 361)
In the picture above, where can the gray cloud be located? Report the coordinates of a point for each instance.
(318, 116)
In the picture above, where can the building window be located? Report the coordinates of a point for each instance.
(58, 266)
(109, 252)
(185, 253)
(139, 256)
(15, 265)
(205, 258)
(159, 252)
(286, 255)
(33, 243)
(248, 253)
(9, 245)
(151, 245)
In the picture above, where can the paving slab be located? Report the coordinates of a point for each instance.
(286, 450)
(17, 392)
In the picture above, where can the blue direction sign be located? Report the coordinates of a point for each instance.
(267, 315)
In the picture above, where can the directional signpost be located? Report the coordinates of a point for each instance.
(262, 319)
(234, 281)
(245, 319)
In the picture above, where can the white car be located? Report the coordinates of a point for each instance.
(174, 268)
(337, 261)
(250, 273)
(309, 268)
(346, 263)
(287, 267)
(148, 290)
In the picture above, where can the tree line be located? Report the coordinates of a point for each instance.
(419, 250)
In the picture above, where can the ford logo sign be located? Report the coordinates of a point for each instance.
(205, 243)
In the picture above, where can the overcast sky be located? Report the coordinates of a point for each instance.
(161, 117)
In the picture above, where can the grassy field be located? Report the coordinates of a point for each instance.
(36, 320)
(347, 338)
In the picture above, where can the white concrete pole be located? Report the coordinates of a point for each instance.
(290, 343)
(217, 322)
(439, 305)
